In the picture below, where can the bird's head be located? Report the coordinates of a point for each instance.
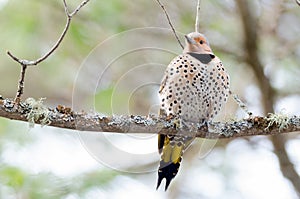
(196, 42)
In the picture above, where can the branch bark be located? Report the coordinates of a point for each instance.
(63, 117)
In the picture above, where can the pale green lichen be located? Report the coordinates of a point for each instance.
(281, 120)
(38, 112)
(118, 121)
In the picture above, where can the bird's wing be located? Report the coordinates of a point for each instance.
(163, 83)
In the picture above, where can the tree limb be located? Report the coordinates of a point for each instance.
(268, 94)
(63, 117)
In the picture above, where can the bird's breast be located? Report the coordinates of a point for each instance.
(194, 90)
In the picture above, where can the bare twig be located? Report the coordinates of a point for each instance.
(79, 7)
(63, 117)
(24, 63)
(21, 84)
(58, 42)
(170, 23)
(66, 8)
(241, 104)
(197, 22)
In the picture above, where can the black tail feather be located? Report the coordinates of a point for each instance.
(161, 141)
(167, 170)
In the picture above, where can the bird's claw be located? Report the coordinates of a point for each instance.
(177, 123)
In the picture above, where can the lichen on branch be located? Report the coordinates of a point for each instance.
(63, 117)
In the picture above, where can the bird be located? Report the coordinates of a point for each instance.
(194, 89)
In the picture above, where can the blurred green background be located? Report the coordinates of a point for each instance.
(100, 68)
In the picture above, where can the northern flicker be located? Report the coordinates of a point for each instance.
(194, 89)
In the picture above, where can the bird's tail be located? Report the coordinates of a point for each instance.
(171, 149)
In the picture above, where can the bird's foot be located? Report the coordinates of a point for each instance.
(177, 123)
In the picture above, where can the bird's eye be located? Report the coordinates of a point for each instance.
(201, 42)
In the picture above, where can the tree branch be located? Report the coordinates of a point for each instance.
(170, 23)
(197, 22)
(24, 63)
(63, 117)
(253, 60)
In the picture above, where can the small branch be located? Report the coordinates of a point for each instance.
(20, 61)
(170, 23)
(66, 8)
(56, 45)
(78, 7)
(65, 118)
(241, 104)
(298, 2)
(268, 95)
(197, 22)
(21, 85)
(58, 42)
(24, 63)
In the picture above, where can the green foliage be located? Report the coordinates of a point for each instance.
(103, 101)
(13, 134)
(109, 14)
(108, 102)
(94, 179)
(12, 177)
(49, 186)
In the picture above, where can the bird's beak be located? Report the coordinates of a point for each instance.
(207, 49)
(189, 40)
